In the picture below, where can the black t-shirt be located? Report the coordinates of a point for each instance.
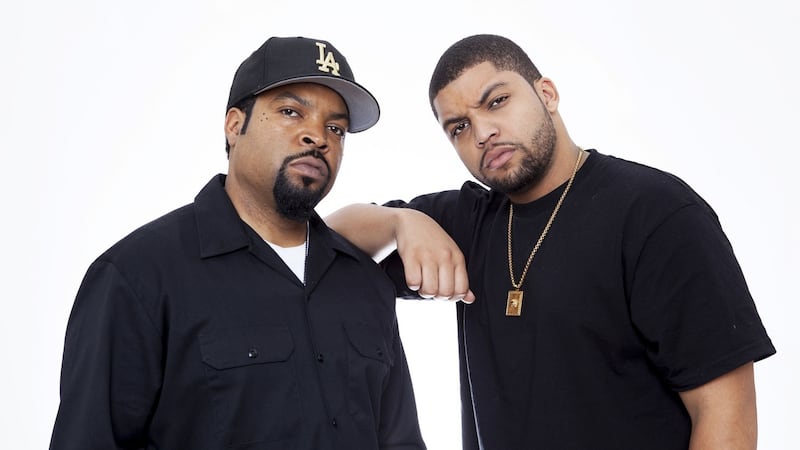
(634, 295)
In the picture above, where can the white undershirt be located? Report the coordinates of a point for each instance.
(295, 257)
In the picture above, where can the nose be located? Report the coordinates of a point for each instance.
(317, 140)
(483, 131)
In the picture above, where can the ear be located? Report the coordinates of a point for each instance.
(548, 93)
(234, 120)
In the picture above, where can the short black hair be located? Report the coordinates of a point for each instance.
(502, 52)
(246, 106)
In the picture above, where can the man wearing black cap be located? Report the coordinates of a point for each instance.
(241, 320)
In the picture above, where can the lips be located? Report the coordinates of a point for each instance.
(309, 166)
(498, 156)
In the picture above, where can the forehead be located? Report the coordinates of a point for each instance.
(473, 87)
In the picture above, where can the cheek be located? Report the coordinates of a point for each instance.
(470, 158)
(333, 158)
(335, 162)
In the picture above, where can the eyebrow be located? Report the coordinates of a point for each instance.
(481, 100)
(292, 96)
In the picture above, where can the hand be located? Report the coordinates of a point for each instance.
(434, 265)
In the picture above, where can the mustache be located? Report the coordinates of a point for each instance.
(314, 153)
(492, 146)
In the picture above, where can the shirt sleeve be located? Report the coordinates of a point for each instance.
(399, 424)
(111, 368)
(447, 208)
(690, 301)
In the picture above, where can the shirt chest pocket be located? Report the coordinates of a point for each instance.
(227, 349)
(370, 359)
(369, 342)
(251, 383)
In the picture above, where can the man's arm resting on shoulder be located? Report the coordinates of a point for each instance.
(723, 412)
(433, 262)
(370, 227)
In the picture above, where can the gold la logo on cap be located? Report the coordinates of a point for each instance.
(326, 62)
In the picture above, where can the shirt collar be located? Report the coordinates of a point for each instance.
(221, 230)
(219, 227)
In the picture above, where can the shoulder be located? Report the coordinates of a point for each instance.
(630, 175)
(354, 264)
(635, 184)
(456, 206)
(339, 243)
(153, 240)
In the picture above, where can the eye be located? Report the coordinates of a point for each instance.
(337, 130)
(498, 101)
(460, 126)
(289, 112)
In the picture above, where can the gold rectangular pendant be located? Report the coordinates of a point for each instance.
(514, 303)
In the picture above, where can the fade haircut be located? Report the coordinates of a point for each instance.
(503, 53)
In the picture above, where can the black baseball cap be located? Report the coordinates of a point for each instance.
(286, 60)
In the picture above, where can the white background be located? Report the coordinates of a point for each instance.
(112, 115)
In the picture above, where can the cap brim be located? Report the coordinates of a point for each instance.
(361, 104)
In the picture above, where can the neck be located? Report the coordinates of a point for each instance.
(560, 170)
(288, 234)
(274, 228)
(265, 219)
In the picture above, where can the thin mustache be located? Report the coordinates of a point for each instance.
(492, 147)
(313, 153)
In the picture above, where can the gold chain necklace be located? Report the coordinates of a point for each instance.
(514, 301)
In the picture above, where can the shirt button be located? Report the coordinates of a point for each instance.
(252, 353)
(379, 351)
(320, 358)
(333, 422)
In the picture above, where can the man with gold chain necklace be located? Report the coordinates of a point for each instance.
(611, 312)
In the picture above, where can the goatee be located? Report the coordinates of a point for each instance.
(535, 161)
(297, 203)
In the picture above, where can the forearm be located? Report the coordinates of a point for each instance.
(433, 263)
(370, 227)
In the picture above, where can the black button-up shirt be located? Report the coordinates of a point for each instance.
(191, 333)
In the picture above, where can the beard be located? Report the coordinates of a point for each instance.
(537, 157)
(297, 203)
